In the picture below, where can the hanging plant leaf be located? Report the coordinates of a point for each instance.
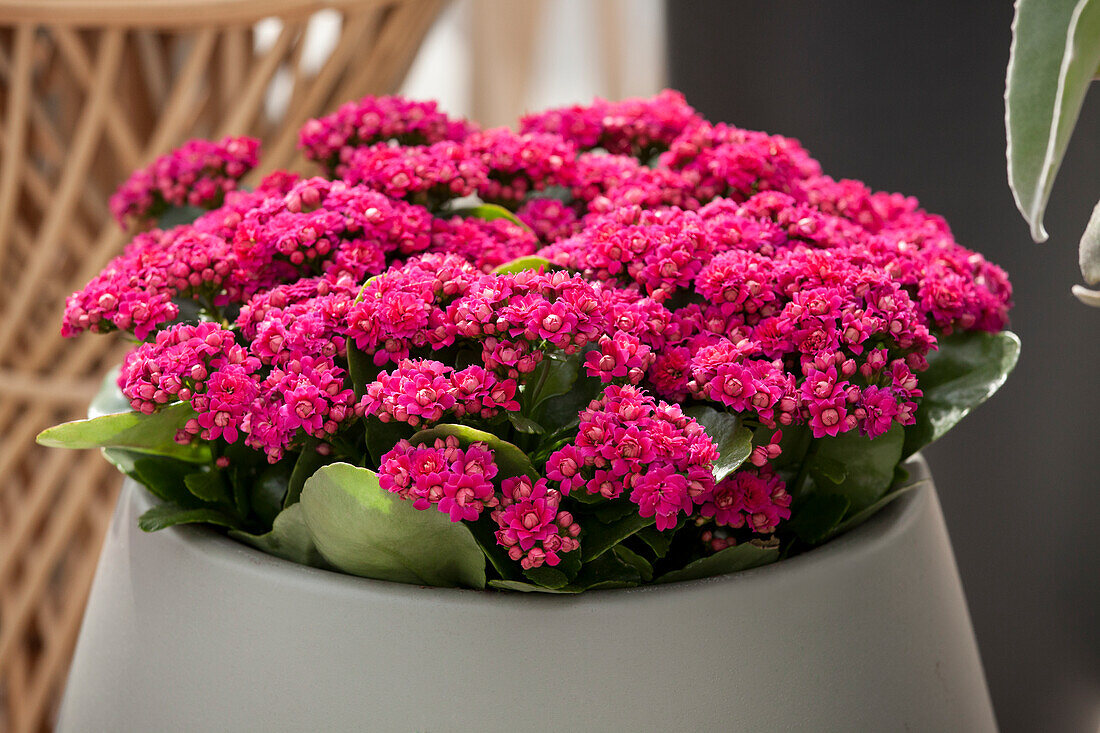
(510, 460)
(728, 432)
(1054, 56)
(729, 560)
(154, 434)
(967, 370)
(364, 530)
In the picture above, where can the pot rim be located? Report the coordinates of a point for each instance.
(207, 545)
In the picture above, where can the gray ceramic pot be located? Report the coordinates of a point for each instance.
(189, 631)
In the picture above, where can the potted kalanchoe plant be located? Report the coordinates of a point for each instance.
(620, 346)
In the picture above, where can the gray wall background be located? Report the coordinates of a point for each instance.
(908, 97)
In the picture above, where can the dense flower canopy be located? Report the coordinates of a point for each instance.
(670, 268)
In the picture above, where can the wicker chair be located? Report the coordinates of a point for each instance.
(90, 90)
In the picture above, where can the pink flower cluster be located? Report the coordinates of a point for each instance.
(329, 140)
(725, 161)
(457, 481)
(689, 261)
(203, 364)
(754, 498)
(533, 528)
(628, 443)
(513, 319)
(420, 392)
(420, 174)
(199, 173)
(520, 163)
(637, 127)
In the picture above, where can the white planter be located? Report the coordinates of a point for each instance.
(189, 631)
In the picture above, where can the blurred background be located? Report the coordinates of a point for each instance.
(907, 97)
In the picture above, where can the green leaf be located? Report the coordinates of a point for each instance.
(489, 212)
(364, 530)
(484, 532)
(383, 436)
(825, 469)
(966, 370)
(729, 560)
(361, 369)
(289, 539)
(609, 569)
(560, 376)
(518, 585)
(267, 489)
(869, 464)
(529, 262)
(728, 432)
(309, 460)
(817, 516)
(176, 215)
(611, 511)
(657, 540)
(864, 514)
(169, 515)
(207, 486)
(165, 478)
(599, 537)
(546, 576)
(154, 434)
(1054, 56)
(525, 425)
(510, 460)
(557, 411)
(639, 563)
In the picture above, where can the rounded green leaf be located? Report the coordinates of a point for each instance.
(289, 539)
(364, 530)
(868, 464)
(733, 439)
(963, 373)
